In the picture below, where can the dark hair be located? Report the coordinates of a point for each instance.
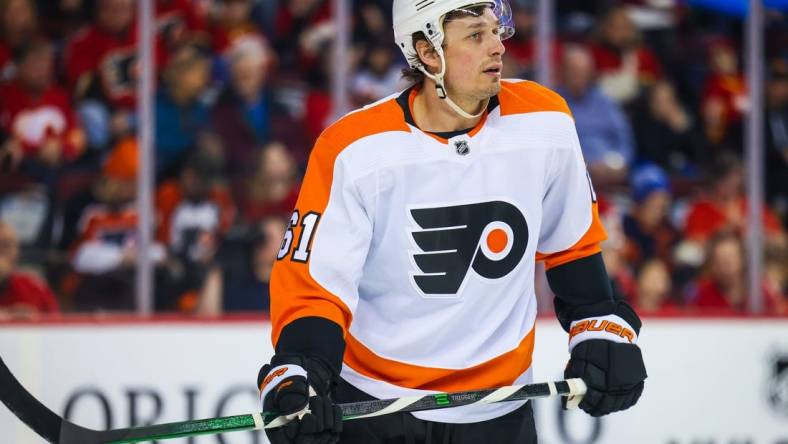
(414, 75)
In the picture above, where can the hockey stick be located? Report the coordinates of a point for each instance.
(55, 429)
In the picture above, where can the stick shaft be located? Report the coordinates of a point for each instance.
(366, 409)
(350, 411)
(183, 429)
(57, 430)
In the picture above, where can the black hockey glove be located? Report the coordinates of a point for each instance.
(613, 372)
(298, 387)
(603, 352)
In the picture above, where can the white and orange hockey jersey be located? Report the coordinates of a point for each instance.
(423, 248)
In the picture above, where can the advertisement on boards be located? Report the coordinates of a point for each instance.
(711, 381)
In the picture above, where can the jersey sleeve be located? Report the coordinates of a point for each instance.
(570, 228)
(320, 262)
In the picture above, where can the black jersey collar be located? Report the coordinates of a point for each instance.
(403, 100)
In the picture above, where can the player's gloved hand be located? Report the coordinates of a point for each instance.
(613, 372)
(605, 355)
(298, 387)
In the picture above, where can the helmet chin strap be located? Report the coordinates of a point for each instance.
(440, 87)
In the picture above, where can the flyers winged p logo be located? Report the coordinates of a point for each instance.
(488, 237)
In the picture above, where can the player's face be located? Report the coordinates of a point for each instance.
(473, 51)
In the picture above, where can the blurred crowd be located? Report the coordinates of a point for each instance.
(656, 87)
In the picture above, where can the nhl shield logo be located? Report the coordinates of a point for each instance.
(778, 384)
(461, 147)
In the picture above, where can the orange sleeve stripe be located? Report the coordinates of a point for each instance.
(588, 245)
(497, 372)
(323, 305)
(294, 293)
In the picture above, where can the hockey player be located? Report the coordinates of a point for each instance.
(408, 264)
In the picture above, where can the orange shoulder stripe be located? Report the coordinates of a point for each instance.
(294, 293)
(588, 244)
(528, 97)
(497, 372)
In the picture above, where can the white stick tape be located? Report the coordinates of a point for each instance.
(258, 421)
(501, 393)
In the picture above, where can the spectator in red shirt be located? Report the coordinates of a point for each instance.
(103, 54)
(274, 187)
(724, 96)
(653, 288)
(21, 295)
(723, 285)
(100, 64)
(37, 115)
(18, 24)
(724, 208)
(624, 64)
(178, 23)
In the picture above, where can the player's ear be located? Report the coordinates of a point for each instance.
(428, 56)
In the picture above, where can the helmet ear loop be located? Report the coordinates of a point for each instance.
(438, 78)
(440, 88)
(440, 85)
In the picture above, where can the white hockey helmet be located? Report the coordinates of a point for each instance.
(412, 16)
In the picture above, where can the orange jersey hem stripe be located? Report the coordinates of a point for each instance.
(497, 372)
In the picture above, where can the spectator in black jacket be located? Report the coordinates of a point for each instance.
(666, 133)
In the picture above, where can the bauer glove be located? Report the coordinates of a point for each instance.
(603, 352)
(298, 387)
